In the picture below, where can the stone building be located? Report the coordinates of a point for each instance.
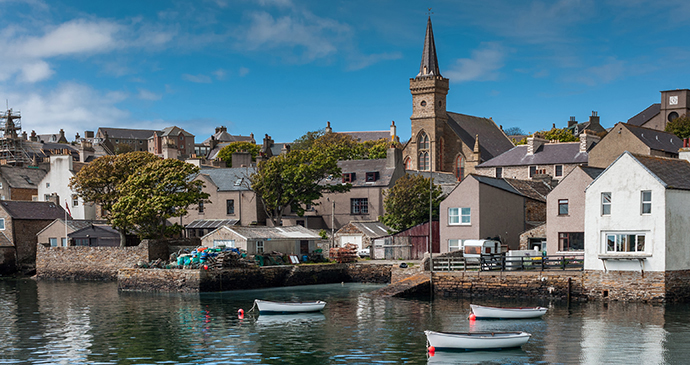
(441, 140)
(136, 139)
(638, 140)
(592, 126)
(674, 103)
(294, 240)
(171, 142)
(362, 234)
(20, 183)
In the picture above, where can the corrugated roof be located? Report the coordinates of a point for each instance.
(32, 210)
(292, 232)
(546, 154)
(673, 172)
(645, 115)
(656, 140)
(492, 140)
(211, 223)
(230, 179)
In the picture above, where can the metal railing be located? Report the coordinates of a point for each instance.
(501, 262)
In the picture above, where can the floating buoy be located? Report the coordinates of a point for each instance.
(472, 317)
(240, 313)
(432, 350)
(205, 267)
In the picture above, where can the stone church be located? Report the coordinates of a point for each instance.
(442, 141)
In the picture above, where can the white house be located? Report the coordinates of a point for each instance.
(56, 183)
(637, 216)
(294, 240)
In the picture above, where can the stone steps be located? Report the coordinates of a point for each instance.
(413, 285)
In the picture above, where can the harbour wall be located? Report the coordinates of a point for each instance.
(195, 281)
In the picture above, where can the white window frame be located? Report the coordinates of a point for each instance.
(465, 213)
(2, 224)
(259, 247)
(455, 245)
(64, 241)
(226, 243)
(618, 242)
(645, 203)
(75, 200)
(605, 204)
(53, 241)
(453, 216)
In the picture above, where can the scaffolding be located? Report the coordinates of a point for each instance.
(11, 144)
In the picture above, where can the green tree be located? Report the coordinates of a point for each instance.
(559, 134)
(122, 148)
(295, 179)
(376, 149)
(407, 202)
(305, 142)
(679, 126)
(156, 192)
(101, 181)
(226, 152)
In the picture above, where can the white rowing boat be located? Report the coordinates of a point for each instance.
(476, 340)
(480, 311)
(266, 306)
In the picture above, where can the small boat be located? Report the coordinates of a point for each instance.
(288, 307)
(480, 311)
(476, 340)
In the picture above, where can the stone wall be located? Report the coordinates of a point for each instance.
(559, 285)
(536, 232)
(625, 285)
(398, 273)
(678, 285)
(174, 280)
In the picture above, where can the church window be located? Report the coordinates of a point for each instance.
(459, 168)
(423, 160)
(423, 141)
(408, 163)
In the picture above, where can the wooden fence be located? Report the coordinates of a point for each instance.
(501, 262)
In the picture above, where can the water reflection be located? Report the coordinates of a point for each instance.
(86, 323)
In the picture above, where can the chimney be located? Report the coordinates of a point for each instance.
(241, 159)
(62, 134)
(285, 149)
(587, 139)
(88, 134)
(33, 137)
(393, 158)
(533, 144)
(251, 135)
(24, 137)
(572, 122)
(594, 119)
(328, 128)
(394, 136)
(54, 198)
(217, 130)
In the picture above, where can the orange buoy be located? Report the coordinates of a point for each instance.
(240, 313)
(432, 350)
(472, 317)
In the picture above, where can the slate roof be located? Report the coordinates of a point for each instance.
(173, 131)
(74, 224)
(107, 231)
(230, 179)
(645, 115)
(125, 133)
(546, 154)
(368, 135)
(439, 177)
(360, 168)
(22, 177)
(292, 232)
(32, 210)
(372, 229)
(593, 172)
(224, 136)
(656, 140)
(42, 150)
(492, 140)
(211, 223)
(429, 64)
(536, 190)
(673, 172)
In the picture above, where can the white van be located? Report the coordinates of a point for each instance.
(473, 249)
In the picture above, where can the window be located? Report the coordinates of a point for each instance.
(226, 243)
(75, 200)
(47, 185)
(230, 206)
(423, 141)
(458, 215)
(559, 171)
(532, 171)
(372, 176)
(259, 247)
(605, 203)
(571, 241)
(64, 242)
(53, 241)
(646, 202)
(454, 245)
(201, 207)
(349, 177)
(2, 224)
(81, 242)
(562, 206)
(499, 172)
(423, 161)
(408, 163)
(359, 206)
(459, 168)
(625, 242)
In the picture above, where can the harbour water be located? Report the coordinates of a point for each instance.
(93, 323)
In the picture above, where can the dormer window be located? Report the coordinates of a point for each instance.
(372, 176)
(349, 177)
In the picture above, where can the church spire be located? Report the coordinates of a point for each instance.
(429, 66)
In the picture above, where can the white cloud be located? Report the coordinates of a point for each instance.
(243, 71)
(484, 64)
(74, 37)
(148, 95)
(36, 71)
(220, 74)
(610, 71)
(362, 61)
(201, 79)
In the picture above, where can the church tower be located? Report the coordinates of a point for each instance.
(429, 118)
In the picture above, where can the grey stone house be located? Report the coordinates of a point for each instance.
(294, 240)
(20, 183)
(674, 103)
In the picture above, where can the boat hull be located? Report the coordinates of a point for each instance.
(267, 307)
(507, 313)
(476, 340)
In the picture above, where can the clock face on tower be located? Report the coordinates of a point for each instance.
(673, 100)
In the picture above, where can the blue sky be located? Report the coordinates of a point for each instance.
(285, 67)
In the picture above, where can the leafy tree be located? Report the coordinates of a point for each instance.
(514, 131)
(295, 179)
(559, 134)
(102, 180)
(226, 152)
(407, 202)
(337, 145)
(679, 126)
(305, 142)
(156, 192)
(122, 148)
(376, 149)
